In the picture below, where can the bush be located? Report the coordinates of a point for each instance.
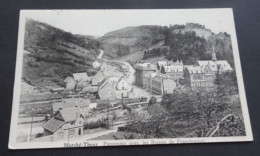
(93, 125)
(33, 64)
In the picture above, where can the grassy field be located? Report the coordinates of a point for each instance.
(38, 97)
(111, 136)
(96, 130)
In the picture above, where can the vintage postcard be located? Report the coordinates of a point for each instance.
(89, 78)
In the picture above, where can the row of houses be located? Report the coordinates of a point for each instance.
(107, 87)
(200, 75)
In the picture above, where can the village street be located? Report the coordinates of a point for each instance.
(130, 76)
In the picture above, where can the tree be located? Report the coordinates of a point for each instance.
(152, 101)
(151, 122)
(182, 106)
(76, 87)
(227, 83)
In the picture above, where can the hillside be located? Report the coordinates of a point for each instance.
(186, 42)
(51, 54)
(193, 41)
(128, 42)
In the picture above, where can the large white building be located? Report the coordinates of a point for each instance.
(214, 64)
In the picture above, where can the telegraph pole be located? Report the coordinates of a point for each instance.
(108, 112)
(31, 126)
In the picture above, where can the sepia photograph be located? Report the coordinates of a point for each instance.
(89, 78)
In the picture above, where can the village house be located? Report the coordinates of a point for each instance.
(141, 70)
(82, 79)
(162, 85)
(96, 79)
(113, 79)
(196, 78)
(96, 64)
(66, 124)
(159, 84)
(26, 88)
(57, 90)
(122, 88)
(122, 84)
(173, 69)
(203, 73)
(147, 80)
(223, 66)
(90, 89)
(107, 91)
(214, 64)
(160, 64)
(69, 83)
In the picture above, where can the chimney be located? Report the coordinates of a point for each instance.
(47, 117)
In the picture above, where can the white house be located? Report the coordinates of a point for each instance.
(82, 79)
(66, 124)
(70, 83)
(92, 106)
(122, 88)
(96, 64)
(122, 84)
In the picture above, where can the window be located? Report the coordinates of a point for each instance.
(79, 132)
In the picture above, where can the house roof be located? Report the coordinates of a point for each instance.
(172, 68)
(121, 79)
(162, 63)
(100, 84)
(194, 69)
(90, 88)
(61, 117)
(211, 64)
(107, 85)
(53, 124)
(150, 74)
(169, 83)
(146, 66)
(24, 84)
(70, 114)
(69, 79)
(161, 77)
(81, 76)
(215, 65)
(96, 62)
(96, 79)
(224, 65)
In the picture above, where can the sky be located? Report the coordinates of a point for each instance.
(100, 22)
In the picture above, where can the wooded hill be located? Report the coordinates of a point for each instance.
(186, 42)
(51, 54)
